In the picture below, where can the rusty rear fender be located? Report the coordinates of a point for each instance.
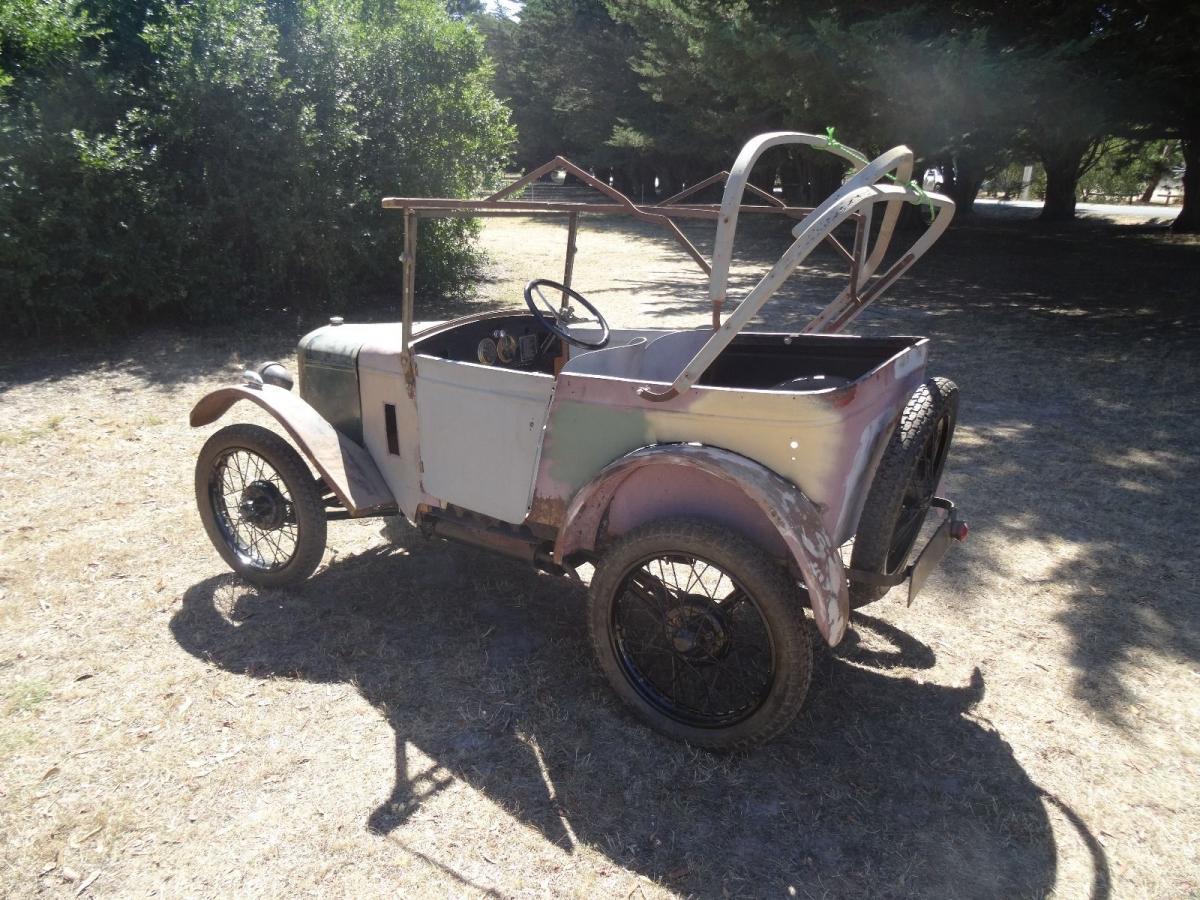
(346, 467)
(721, 486)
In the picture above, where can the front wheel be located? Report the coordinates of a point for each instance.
(701, 633)
(260, 505)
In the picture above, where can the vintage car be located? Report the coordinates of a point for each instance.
(716, 479)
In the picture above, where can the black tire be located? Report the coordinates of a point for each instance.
(775, 609)
(285, 515)
(905, 482)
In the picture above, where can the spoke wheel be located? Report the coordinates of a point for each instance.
(701, 633)
(260, 505)
(905, 484)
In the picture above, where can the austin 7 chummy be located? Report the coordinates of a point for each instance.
(725, 484)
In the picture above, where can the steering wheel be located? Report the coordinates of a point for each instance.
(557, 320)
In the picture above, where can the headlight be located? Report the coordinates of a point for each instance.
(274, 373)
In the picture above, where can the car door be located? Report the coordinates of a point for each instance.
(480, 433)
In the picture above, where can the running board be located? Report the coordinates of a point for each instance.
(466, 531)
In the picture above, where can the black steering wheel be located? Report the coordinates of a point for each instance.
(557, 320)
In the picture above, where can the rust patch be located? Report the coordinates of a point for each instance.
(550, 511)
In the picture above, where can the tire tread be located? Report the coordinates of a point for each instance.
(936, 397)
(310, 509)
(771, 586)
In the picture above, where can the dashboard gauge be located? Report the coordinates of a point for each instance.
(487, 352)
(506, 347)
(529, 348)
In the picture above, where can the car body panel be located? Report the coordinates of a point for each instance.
(383, 382)
(796, 519)
(480, 432)
(347, 468)
(827, 442)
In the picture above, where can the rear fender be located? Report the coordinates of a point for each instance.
(347, 468)
(725, 487)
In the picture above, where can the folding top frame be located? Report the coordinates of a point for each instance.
(884, 180)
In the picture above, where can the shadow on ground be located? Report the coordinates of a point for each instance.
(1076, 351)
(484, 666)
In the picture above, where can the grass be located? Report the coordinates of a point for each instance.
(24, 696)
(424, 719)
(24, 435)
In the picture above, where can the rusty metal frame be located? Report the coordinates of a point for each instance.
(500, 204)
(863, 259)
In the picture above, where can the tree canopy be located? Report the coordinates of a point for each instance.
(197, 159)
(664, 90)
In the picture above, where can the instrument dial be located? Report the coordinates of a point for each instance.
(486, 352)
(506, 347)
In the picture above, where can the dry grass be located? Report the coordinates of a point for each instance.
(424, 719)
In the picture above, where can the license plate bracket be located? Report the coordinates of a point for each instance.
(916, 574)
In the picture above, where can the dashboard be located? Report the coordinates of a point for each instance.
(510, 342)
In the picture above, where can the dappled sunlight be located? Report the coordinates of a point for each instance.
(521, 746)
(1160, 462)
(405, 688)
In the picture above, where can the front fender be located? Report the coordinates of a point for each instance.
(347, 468)
(792, 515)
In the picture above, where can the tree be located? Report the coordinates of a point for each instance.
(1152, 43)
(247, 172)
(564, 68)
(881, 73)
(1128, 169)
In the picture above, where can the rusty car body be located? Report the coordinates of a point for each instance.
(546, 434)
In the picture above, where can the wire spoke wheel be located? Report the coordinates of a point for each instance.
(692, 641)
(260, 505)
(254, 509)
(701, 633)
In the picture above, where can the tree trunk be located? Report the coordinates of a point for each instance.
(793, 180)
(1188, 220)
(668, 184)
(624, 180)
(949, 182)
(763, 177)
(1162, 169)
(1062, 176)
(968, 176)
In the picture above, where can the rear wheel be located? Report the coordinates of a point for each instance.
(904, 486)
(701, 633)
(260, 505)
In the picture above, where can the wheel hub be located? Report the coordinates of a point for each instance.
(696, 629)
(262, 505)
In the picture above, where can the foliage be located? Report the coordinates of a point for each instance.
(241, 163)
(970, 86)
(564, 68)
(1152, 44)
(1129, 169)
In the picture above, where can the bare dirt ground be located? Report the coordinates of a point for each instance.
(422, 719)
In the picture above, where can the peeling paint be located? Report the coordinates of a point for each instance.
(797, 518)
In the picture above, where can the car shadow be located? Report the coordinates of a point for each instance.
(884, 780)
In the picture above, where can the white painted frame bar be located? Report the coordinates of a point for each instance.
(860, 192)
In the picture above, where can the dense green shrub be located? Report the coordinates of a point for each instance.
(229, 156)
